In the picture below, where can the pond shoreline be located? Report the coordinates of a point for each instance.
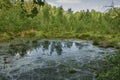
(21, 43)
(98, 39)
(99, 43)
(99, 71)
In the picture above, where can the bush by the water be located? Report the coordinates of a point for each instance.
(112, 69)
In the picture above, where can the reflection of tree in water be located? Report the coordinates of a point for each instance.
(79, 45)
(36, 44)
(49, 46)
(68, 44)
(23, 51)
(45, 45)
(56, 46)
(20, 48)
(52, 47)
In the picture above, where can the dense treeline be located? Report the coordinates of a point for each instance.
(18, 16)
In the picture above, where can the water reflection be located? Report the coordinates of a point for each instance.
(68, 44)
(78, 45)
(51, 46)
(56, 46)
(20, 48)
(53, 60)
(47, 47)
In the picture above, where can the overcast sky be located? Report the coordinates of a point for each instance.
(78, 5)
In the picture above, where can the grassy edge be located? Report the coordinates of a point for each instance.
(103, 40)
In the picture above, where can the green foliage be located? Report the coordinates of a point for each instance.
(112, 71)
(5, 4)
(84, 24)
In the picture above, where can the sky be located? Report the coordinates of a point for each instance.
(77, 5)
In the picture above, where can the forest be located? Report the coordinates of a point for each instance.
(25, 20)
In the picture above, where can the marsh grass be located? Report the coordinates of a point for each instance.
(112, 69)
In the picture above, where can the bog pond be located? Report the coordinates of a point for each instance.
(51, 60)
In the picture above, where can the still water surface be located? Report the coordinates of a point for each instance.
(51, 60)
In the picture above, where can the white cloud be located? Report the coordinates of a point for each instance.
(69, 1)
(53, 4)
(117, 5)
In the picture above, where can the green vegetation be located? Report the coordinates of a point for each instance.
(32, 19)
(38, 20)
(111, 70)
